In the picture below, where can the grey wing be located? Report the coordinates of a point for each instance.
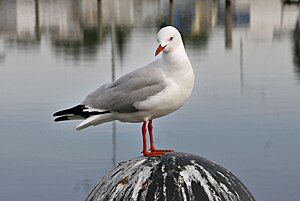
(122, 94)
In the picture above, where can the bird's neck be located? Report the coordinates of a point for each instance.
(176, 58)
(179, 69)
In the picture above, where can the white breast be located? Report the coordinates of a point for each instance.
(176, 93)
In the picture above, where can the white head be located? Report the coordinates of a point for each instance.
(169, 39)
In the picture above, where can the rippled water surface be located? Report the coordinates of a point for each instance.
(243, 114)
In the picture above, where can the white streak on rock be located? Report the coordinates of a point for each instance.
(118, 189)
(164, 186)
(218, 187)
(226, 178)
(230, 196)
(156, 195)
(163, 168)
(180, 185)
(140, 162)
(142, 177)
(192, 174)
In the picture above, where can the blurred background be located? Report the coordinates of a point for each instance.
(243, 114)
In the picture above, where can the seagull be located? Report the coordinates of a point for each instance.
(142, 95)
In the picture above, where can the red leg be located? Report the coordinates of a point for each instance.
(145, 151)
(150, 127)
(144, 132)
(152, 147)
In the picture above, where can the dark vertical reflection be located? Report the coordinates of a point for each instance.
(228, 25)
(241, 64)
(113, 44)
(114, 141)
(171, 12)
(114, 129)
(281, 14)
(37, 19)
(121, 38)
(296, 48)
(100, 21)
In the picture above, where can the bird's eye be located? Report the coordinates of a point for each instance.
(171, 38)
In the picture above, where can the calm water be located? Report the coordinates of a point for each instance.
(243, 114)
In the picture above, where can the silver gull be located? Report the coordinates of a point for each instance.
(142, 95)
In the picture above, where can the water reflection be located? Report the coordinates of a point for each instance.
(87, 43)
(289, 25)
(241, 63)
(78, 27)
(2, 52)
(245, 54)
(171, 12)
(37, 20)
(228, 25)
(296, 46)
(113, 77)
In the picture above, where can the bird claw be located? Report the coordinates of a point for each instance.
(156, 152)
(162, 150)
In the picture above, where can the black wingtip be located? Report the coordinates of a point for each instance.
(56, 114)
(62, 118)
(78, 110)
(73, 110)
(59, 113)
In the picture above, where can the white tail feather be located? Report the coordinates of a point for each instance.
(94, 120)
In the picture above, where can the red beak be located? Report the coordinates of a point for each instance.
(159, 49)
